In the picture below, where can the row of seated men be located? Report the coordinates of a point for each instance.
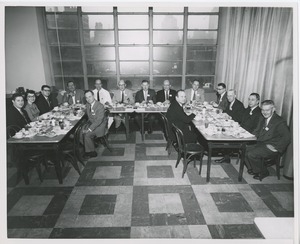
(270, 129)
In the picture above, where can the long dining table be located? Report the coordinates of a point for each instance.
(50, 140)
(143, 110)
(219, 131)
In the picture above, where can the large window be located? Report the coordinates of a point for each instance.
(112, 43)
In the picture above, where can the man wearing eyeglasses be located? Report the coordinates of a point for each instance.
(222, 101)
(44, 101)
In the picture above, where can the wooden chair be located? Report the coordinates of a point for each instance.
(270, 161)
(187, 151)
(167, 132)
(70, 149)
(33, 159)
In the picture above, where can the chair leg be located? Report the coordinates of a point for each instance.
(73, 161)
(168, 146)
(278, 167)
(39, 170)
(200, 166)
(178, 159)
(106, 144)
(194, 161)
(184, 165)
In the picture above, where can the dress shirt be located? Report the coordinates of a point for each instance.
(221, 97)
(268, 120)
(104, 96)
(145, 95)
(73, 97)
(252, 109)
(231, 104)
(193, 95)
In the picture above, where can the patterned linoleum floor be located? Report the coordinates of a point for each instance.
(135, 191)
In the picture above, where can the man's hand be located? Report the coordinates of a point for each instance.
(215, 104)
(151, 102)
(143, 102)
(273, 149)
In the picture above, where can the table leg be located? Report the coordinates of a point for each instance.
(143, 127)
(57, 162)
(127, 125)
(208, 162)
(242, 162)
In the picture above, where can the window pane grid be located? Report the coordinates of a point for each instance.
(99, 44)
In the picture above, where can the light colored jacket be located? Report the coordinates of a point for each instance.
(199, 95)
(128, 96)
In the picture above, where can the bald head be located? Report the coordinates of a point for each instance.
(166, 85)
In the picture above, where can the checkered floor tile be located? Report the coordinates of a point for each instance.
(135, 191)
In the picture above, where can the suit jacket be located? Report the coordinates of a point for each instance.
(14, 117)
(43, 105)
(199, 95)
(178, 117)
(250, 122)
(139, 96)
(97, 118)
(237, 111)
(224, 103)
(79, 96)
(276, 133)
(160, 95)
(128, 96)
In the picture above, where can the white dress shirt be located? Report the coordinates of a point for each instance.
(104, 96)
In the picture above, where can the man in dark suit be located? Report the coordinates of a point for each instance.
(96, 126)
(273, 136)
(73, 95)
(235, 108)
(252, 114)
(44, 101)
(222, 101)
(16, 115)
(145, 96)
(166, 95)
(178, 117)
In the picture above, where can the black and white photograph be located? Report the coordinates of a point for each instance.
(150, 121)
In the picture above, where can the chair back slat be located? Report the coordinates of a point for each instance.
(179, 137)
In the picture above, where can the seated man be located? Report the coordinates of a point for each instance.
(96, 124)
(195, 93)
(272, 136)
(16, 115)
(123, 96)
(252, 114)
(44, 102)
(72, 95)
(101, 95)
(178, 117)
(235, 109)
(145, 96)
(166, 95)
(222, 101)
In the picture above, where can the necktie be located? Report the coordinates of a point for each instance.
(23, 116)
(70, 99)
(167, 95)
(122, 100)
(98, 96)
(194, 96)
(266, 123)
(47, 99)
(145, 95)
(230, 107)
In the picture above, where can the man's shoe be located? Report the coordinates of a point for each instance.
(223, 160)
(93, 154)
(250, 172)
(90, 155)
(259, 176)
